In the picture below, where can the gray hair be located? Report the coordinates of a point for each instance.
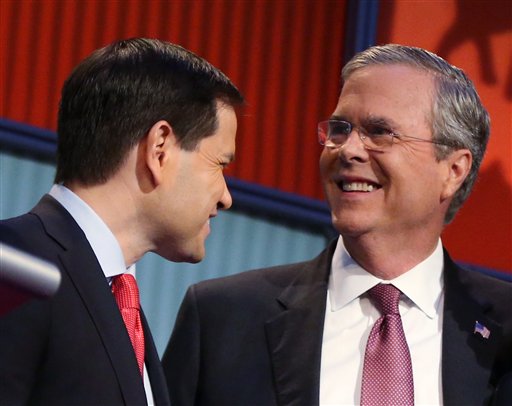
(459, 120)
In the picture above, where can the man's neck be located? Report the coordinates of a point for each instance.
(389, 257)
(116, 206)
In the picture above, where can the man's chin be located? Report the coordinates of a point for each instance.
(190, 255)
(194, 259)
(349, 228)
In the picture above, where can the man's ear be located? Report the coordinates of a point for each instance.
(160, 144)
(458, 165)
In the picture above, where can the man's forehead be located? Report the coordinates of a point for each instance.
(400, 74)
(402, 82)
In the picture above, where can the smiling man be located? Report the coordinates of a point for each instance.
(145, 130)
(383, 316)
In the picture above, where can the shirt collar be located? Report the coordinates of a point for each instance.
(102, 240)
(423, 284)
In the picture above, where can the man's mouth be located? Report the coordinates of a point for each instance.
(358, 186)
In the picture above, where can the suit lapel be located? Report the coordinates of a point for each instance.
(294, 337)
(154, 367)
(80, 263)
(467, 356)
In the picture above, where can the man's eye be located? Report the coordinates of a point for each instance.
(378, 131)
(338, 129)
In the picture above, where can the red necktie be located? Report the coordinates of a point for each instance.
(126, 293)
(387, 372)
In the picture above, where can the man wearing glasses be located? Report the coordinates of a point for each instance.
(383, 316)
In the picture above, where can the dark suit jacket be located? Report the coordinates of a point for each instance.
(256, 338)
(72, 349)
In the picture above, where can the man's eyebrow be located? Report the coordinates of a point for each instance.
(379, 121)
(229, 157)
(370, 120)
(336, 117)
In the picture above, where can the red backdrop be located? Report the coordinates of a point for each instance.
(285, 56)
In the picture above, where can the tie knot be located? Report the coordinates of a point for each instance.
(126, 292)
(385, 297)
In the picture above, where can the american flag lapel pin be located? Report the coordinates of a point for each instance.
(482, 330)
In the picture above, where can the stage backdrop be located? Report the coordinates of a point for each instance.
(285, 56)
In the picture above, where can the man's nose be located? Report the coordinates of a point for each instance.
(354, 147)
(226, 201)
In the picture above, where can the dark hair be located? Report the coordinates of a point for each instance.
(458, 117)
(114, 96)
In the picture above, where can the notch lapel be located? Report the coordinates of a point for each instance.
(467, 357)
(294, 337)
(154, 367)
(90, 282)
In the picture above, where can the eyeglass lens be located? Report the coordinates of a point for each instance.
(334, 133)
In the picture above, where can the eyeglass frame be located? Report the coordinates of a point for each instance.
(363, 135)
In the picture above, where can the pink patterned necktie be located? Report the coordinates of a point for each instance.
(126, 293)
(387, 372)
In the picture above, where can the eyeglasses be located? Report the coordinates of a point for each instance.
(375, 137)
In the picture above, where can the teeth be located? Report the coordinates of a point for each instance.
(358, 187)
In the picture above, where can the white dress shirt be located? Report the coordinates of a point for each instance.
(350, 316)
(103, 243)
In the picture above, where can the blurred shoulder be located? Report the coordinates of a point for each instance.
(270, 280)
